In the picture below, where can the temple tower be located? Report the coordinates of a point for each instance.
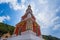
(27, 28)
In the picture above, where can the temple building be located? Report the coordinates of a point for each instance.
(28, 22)
(27, 28)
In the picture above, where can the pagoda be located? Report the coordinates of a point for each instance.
(27, 28)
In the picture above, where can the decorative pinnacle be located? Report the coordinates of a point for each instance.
(29, 6)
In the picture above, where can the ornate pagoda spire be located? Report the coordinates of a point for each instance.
(28, 22)
(28, 13)
(27, 28)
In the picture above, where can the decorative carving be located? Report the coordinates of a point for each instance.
(28, 22)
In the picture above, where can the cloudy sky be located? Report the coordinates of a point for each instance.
(47, 13)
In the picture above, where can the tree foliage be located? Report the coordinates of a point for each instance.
(4, 28)
(50, 37)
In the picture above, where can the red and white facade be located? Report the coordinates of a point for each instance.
(28, 22)
(27, 29)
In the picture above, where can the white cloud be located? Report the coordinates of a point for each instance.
(58, 9)
(43, 1)
(17, 6)
(7, 17)
(56, 27)
(3, 18)
(4, 1)
(14, 4)
(54, 19)
(23, 1)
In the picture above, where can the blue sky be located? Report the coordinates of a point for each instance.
(47, 13)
